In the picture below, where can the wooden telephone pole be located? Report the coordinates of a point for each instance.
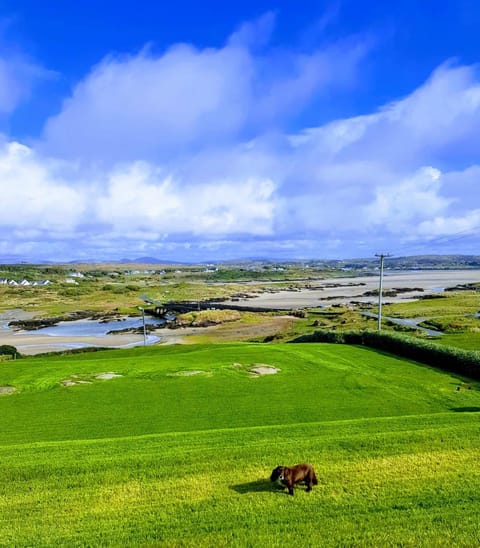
(382, 257)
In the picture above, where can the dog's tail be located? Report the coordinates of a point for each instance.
(314, 479)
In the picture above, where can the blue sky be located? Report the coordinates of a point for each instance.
(195, 131)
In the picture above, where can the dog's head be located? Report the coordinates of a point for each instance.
(277, 474)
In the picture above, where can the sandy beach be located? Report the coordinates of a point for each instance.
(36, 343)
(330, 291)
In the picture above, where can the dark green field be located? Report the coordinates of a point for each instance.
(161, 457)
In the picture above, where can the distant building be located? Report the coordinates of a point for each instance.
(75, 275)
(23, 283)
(148, 271)
(43, 282)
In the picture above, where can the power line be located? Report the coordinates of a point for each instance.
(439, 240)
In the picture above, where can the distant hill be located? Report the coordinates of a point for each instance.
(148, 260)
(437, 261)
(414, 262)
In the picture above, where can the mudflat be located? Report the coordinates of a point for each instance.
(325, 292)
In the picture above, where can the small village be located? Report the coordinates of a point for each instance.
(23, 283)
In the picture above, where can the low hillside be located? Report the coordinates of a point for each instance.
(174, 446)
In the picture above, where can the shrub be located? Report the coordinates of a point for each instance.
(205, 318)
(8, 350)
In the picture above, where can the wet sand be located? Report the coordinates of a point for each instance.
(347, 290)
(30, 344)
(35, 343)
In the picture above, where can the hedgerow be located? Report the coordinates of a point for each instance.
(464, 362)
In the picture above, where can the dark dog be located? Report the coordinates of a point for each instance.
(288, 476)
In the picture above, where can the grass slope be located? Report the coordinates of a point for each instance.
(153, 459)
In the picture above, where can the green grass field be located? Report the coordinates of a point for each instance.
(162, 457)
(452, 312)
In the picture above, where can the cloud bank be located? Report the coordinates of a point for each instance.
(197, 153)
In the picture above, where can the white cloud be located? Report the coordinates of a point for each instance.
(141, 200)
(138, 107)
(154, 106)
(135, 199)
(436, 124)
(32, 196)
(467, 224)
(241, 207)
(18, 76)
(135, 206)
(399, 208)
(361, 177)
(254, 34)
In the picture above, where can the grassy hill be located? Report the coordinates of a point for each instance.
(178, 450)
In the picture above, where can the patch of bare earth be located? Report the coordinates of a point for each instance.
(256, 370)
(259, 369)
(108, 376)
(265, 327)
(74, 380)
(7, 390)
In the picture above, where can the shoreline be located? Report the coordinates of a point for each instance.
(351, 290)
(35, 342)
(344, 290)
(30, 345)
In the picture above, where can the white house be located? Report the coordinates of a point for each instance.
(76, 275)
(42, 282)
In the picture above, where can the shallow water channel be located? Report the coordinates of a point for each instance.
(93, 328)
(79, 334)
(407, 322)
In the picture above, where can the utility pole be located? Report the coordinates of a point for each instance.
(382, 256)
(144, 330)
